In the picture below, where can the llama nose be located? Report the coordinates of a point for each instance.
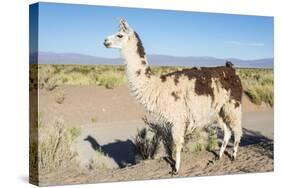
(106, 43)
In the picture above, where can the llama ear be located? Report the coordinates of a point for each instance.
(124, 26)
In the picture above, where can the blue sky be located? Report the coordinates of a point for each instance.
(82, 29)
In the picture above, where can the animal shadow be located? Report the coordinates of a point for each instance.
(251, 137)
(122, 152)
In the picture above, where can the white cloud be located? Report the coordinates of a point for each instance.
(256, 44)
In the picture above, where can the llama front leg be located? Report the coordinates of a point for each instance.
(178, 146)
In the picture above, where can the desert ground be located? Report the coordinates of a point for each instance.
(110, 118)
(105, 120)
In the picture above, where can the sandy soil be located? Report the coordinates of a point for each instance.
(82, 103)
(251, 159)
(117, 118)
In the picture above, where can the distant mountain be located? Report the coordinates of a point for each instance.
(72, 58)
(163, 60)
(200, 61)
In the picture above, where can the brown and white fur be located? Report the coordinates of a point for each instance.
(188, 99)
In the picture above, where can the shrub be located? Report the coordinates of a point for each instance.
(163, 132)
(199, 147)
(146, 146)
(94, 119)
(50, 84)
(47, 78)
(54, 147)
(101, 161)
(202, 139)
(212, 139)
(75, 132)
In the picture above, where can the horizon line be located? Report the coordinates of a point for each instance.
(77, 53)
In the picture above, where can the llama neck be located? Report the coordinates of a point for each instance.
(137, 69)
(138, 73)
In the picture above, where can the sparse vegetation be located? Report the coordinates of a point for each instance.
(50, 84)
(212, 139)
(147, 145)
(110, 79)
(94, 119)
(51, 76)
(101, 161)
(198, 140)
(199, 147)
(202, 139)
(53, 149)
(164, 133)
(257, 83)
(75, 132)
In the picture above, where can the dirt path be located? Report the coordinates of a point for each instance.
(260, 121)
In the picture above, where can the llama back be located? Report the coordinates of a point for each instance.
(223, 76)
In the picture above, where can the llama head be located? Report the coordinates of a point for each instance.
(121, 38)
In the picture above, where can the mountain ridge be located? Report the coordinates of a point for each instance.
(154, 59)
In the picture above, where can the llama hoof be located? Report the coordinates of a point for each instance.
(211, 162)
(173, 173)
(232, 158)
(217, 158)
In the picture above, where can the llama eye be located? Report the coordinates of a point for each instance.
(119, 36)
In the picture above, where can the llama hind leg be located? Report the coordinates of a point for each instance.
(178, 137)
(237, 130)
(227, 135)
(231, 115)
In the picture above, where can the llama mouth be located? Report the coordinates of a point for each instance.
(107, 44)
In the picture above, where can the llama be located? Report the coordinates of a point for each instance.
(187, 99)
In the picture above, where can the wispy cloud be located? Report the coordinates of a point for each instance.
(255, 44)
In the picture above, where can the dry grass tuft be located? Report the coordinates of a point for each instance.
(212, 139)
(202, 139)
(164, 133)
(54, 146)
(147, 144)
(94, 119)
(101, 161)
